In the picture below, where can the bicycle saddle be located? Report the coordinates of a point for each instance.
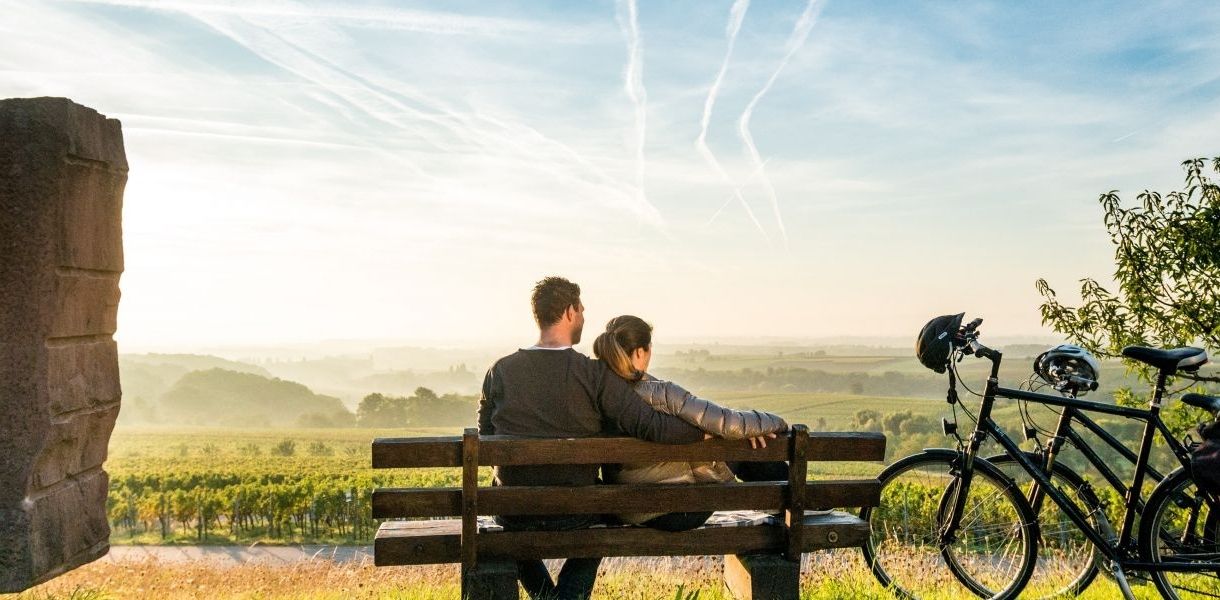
(1187, 359)
(1210, 404)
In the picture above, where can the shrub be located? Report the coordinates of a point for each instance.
(284, 448)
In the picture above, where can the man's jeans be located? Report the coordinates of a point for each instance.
(576, 578)
(760, 471)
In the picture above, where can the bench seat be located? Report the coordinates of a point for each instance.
(440, 541)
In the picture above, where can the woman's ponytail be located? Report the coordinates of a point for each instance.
(606, 348)
(623, 335)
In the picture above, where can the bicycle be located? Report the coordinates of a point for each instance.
(975, 522)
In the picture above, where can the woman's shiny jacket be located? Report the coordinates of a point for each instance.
(669, 398)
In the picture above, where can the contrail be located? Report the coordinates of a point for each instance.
(800, 32)
(422, 21)
(737, 194)
(388, 106)
(737, 14)
(633, 81)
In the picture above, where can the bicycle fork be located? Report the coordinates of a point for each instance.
(963, 474)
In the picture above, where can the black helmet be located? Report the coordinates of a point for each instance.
(935, 341)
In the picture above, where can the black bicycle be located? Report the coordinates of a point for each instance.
(951, 519)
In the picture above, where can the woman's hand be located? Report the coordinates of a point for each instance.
(761, 441)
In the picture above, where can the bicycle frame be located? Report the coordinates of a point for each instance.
(986, 427)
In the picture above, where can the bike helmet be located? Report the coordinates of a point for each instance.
(1069, 368)
(935, 341)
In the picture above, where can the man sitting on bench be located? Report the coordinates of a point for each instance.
(550, 390)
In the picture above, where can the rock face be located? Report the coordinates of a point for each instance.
(62, 173)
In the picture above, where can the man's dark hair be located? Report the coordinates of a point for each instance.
(552, 296)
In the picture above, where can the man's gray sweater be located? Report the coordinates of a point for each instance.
(564, 394)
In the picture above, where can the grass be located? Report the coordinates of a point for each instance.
(825, 576)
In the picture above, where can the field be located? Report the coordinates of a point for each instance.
(225, 486)
(233, 486)
(220, 486)
(825, 576)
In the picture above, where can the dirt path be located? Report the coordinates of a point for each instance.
(240, 555)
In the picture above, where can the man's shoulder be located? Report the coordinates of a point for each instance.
(533, 358)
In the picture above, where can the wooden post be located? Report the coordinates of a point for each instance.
(470, 506)
(492, 579)
(762, 577)
(798, 467)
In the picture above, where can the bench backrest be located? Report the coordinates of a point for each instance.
(471, 450)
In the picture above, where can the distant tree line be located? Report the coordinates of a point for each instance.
(421, 409)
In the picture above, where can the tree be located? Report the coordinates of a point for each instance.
(866, 420)
(1167, 271)
(377, 410)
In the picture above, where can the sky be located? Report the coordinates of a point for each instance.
(325, 170)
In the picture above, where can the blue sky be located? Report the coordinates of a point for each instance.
(325, 169)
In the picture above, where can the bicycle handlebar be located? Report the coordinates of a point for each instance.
(1083, 383)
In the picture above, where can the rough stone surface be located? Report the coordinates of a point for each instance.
(62, 174)
(79, 375)
(85, 304)
(92, 238)
(74, 445)
(68, 525)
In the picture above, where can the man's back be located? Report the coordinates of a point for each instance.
(560, 394)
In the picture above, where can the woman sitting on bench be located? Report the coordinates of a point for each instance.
(626, 347)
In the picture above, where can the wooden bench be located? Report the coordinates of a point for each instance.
(761, 561)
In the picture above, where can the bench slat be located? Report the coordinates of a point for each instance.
(428, 542)
(530, 500)
(509, 450)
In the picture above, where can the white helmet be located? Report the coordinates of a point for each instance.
(1069, 368)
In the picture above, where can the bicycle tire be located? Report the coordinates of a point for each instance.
(1180, 525)
(1068, 562)
(905, 552)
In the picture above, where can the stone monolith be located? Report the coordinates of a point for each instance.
(62, 173)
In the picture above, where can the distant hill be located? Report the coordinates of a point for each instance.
(230, 398)
(147, 376)
(351, 378)
(194, 362)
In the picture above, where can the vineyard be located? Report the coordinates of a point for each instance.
(222, 487)
(236, 486)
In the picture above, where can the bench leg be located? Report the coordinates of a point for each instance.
(762, 577)
(491, 580)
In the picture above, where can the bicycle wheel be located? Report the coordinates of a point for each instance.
(1067, 560)
(994, 549)
(1179, 526)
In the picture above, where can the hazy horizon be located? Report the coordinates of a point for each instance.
(322, 170)
(319, 349)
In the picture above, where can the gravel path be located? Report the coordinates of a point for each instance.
(236, 555)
